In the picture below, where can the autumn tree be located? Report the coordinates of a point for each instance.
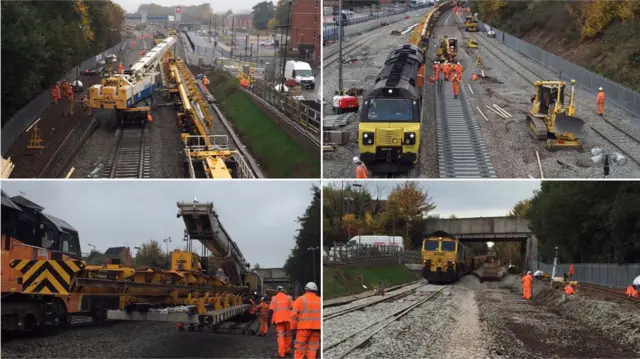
(150, 254)
(410, 203)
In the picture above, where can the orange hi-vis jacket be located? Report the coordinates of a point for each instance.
(263, 311)
(361, 171)
(601, 97)
(568, 290)
(306, 313)
(570, 270)
(631, 292)
(281, 305)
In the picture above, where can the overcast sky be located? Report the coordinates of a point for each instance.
(260, 216)
(236, 6)
(466, 198)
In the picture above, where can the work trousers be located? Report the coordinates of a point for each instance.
(307, 343)
(526, 292)
(263, 326)
(284, 338)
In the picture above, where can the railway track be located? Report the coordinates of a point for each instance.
(610, 291)
(626, 142)
(400, 294)
(381, 324)
(357, 43)
(130, 157)
(462, 151)
(64, 162)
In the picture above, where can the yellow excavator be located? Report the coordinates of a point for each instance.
(551, 120)
(471, 23)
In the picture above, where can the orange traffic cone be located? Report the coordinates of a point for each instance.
(474, 77)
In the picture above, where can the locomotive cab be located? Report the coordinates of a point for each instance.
(389, 130)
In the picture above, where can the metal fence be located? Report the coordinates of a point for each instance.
(624, 97)
(331, 32)
(362, 252)
(606, 275)
(21, 120)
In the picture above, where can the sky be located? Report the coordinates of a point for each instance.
(466, 199)
(260, 216)
(236, 6)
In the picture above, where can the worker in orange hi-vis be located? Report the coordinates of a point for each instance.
(568, 289)
(361, 169)
(445, 70)
(280, 308)
(526, 286)
(459, 70)
(85, 105)
(474, 77)
(600, 101)
(436, 69)
(120, 68)
(205, 81)
(58, 94)
(54, 95)
(452, 71)
(70, 98)
(305, 320)
(631, 291)
(456, 86)
(64, 86)
(263, 317)
(149, 118)
(571, 269)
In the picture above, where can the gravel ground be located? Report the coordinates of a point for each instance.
(141, 340)
(372, 56)
(511, 147)
(479, 320)
(358, 302)
(515, 328)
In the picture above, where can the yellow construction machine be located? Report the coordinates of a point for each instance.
(471, 23)
(445, 44)
(551, 120)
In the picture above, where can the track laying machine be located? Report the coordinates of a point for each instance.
(206, 156)
(131, 93)
(550, 120)
(471, 23)
(45, 281)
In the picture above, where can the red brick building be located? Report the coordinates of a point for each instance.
(306, 22)
(244, 20)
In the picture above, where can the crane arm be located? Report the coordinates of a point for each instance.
(203, 224)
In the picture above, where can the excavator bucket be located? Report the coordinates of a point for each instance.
(566, 123)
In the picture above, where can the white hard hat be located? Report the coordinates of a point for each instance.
(599, 88)
(280, 288)
(262, 299)
(529, 272)
(311, 286)
(356, 159)
(458, 63)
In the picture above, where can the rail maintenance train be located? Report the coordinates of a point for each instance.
(389, 129)
(45, 281)
(444, 260)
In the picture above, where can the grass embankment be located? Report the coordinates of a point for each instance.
(278, 154)
(339, 282)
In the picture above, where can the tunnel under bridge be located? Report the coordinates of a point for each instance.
(491, 229)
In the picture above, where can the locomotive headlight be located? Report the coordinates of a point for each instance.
(409, 138)
(368, 138)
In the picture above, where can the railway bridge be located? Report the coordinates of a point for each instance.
(491, 229)
(273, 277)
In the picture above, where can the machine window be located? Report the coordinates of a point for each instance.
(431, 245)
(448, 246)
(390, 110)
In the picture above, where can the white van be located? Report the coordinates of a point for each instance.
(390, 241)
(301, 71)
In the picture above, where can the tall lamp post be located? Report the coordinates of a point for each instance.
(359, 206)
(167, 241)
(313, 251)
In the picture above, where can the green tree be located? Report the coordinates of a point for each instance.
(300, 265)
(256, 266)
(282, 12)
(150, 254)
(262, 12)
(587, 221)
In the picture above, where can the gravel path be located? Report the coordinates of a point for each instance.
(358, 302)
(141, 340)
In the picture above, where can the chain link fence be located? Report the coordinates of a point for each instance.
(21, 120)
(624, 97)
(602, 274)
